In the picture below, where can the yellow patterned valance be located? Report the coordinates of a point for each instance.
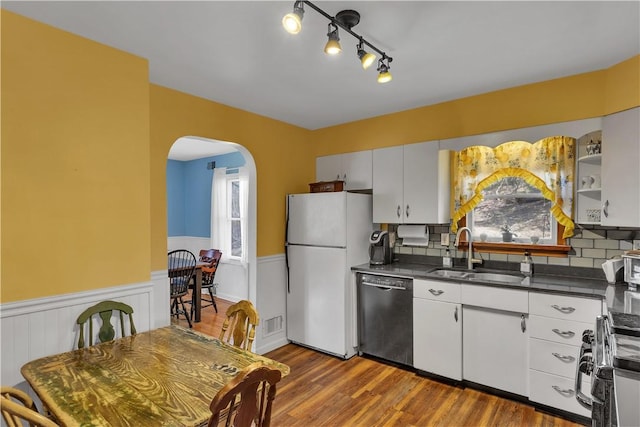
(547, 165)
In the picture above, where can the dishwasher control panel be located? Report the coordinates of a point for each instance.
(386, 281)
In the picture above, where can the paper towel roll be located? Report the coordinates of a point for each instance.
(414, 235)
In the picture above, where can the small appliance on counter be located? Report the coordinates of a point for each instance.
(613, 270)
(632, 269)
(379, 249)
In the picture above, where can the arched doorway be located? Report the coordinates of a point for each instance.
(202, 152)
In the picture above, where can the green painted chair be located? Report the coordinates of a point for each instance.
(105, 310)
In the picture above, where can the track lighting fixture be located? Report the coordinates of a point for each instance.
(346, 20)
(333, 44)
(366, 58)
(292, 22)
(384, 75)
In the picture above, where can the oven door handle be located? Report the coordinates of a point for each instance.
(582, 366)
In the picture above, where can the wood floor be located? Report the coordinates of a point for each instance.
(325, 391)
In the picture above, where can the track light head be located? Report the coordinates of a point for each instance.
(366, 58)
(384, 75)
(292, 22)
(333, 44)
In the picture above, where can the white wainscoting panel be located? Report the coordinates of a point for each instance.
(271, 301)
(41, 327)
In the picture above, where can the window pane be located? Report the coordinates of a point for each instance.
(236, 238)
(235, 199)
(513, 204)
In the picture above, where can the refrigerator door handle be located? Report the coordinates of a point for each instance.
(286, 246)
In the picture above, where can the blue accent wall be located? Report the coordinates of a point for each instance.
(189, 194)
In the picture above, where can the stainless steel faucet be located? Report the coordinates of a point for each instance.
(470, 259)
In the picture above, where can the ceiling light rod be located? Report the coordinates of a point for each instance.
(347, 28)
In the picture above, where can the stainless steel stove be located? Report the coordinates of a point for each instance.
(610, 355)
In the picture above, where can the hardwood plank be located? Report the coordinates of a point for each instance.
(322, 390)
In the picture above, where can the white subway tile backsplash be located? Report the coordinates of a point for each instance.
(607, 244)
(590, 247)
(581, 243)
(581, 262)
(594, 253)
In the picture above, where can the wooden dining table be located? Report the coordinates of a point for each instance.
(163, 377)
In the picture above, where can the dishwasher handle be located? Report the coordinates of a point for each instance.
(385, 287)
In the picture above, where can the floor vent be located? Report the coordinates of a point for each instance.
(273, 325)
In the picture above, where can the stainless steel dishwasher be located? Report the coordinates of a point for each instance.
(385, 317)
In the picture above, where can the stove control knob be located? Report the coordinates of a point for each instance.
(588, 337)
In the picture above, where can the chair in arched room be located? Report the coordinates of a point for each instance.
(239, 328)
(104, 311)
(181, 266)
(212, 258)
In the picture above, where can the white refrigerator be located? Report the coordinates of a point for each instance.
(327, 233)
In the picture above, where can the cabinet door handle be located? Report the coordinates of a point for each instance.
(437, 292)
(399, 211)
(564, 391)
(565, 310)
(407, 211)
(605, 209)
(564, 334)
(564, 358)
(455, 314)
(523, 324)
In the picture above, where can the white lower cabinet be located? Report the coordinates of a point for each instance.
(495, 348)
(556, 326)
(437, 328)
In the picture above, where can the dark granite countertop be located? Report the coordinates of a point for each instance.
(579, 286)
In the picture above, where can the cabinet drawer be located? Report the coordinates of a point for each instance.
(557, 330)
(565, 307)
(436, 290)
(506, 299)
(553, 357)
(557, 392)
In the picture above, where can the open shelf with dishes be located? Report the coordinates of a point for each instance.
(588, 192)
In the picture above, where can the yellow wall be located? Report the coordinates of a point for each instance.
(75, 163)
(85, 140)
(284, 160)
(571, 98)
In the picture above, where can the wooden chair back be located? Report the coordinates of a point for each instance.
(181, 267)
(247, 399)
(105, 310)
(211, 256)
(239, 328)
(17, 406)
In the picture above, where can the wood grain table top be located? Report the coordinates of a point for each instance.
(164, 377)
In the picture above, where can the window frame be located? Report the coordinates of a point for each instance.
(229, 218)
(558, 248)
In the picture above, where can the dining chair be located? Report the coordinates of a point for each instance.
(212, 258)
(105, 310)
(181, 268)
(239, 328)
(17, 406)
(247, 399)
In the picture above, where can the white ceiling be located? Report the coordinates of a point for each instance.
(238, 54)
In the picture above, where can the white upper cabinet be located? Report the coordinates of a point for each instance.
(352, 168)
(620, 170)
(411, 184)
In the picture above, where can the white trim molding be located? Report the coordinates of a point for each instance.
(41, 327)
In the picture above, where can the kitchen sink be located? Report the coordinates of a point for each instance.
(495, 277)
(454, 274)
(478, 276)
